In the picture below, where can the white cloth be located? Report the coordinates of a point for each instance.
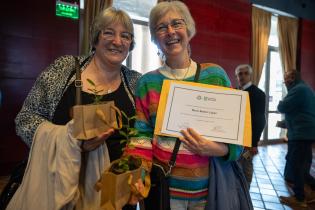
(51, 180)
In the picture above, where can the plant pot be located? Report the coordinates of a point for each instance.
(94, 119)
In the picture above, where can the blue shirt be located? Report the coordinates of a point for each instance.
(299, 110)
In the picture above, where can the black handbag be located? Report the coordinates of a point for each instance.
(13, 184)
(159, 195)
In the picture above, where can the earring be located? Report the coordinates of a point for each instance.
(161, 55)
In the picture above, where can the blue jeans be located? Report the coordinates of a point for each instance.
(187, 205)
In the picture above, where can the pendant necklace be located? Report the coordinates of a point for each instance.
(109, 90)
(187, 70)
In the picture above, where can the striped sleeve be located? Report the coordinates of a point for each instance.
(234, 152)
(147, 98)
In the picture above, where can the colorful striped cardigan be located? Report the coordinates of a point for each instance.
(190, 177)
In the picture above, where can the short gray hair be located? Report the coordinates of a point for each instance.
(107, 17)
(176, 6)
(241, 66)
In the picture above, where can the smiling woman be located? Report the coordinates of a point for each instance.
(172, 27)
(58, 159)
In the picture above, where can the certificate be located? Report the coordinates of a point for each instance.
(217, 113)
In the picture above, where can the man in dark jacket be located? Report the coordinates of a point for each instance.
(299, 109)
(257, 99)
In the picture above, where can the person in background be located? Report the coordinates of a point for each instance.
(298, 109)
(54, 176)
(257, 99)
(172, 27)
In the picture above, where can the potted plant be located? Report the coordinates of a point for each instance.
(116, 183)
(93, 119)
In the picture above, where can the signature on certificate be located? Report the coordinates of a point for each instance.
(218, 129)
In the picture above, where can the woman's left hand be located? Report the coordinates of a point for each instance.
(198, 144)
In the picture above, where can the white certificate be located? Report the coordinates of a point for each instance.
(217, 114)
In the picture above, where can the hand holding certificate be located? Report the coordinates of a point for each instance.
(217, 113)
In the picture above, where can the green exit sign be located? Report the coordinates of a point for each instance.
(68, 10)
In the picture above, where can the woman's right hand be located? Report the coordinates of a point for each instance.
(92, 144)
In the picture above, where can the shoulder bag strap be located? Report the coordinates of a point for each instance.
(172, 161)
(73, 71)
(77, 83)
(197, 73)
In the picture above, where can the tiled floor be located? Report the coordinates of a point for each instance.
(268, 181)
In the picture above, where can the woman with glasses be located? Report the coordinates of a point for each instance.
(57, 176)
(172, 27)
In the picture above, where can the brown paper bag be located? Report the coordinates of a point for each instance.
(115, 188)
(93, 119)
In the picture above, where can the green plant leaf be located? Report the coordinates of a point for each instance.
(132, 132)
(133, 118)
(97, 98)
(123, 133)
(123, 141)
(124, 114)
(91, 82)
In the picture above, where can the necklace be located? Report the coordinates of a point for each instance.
(109, 89)
(186, 72)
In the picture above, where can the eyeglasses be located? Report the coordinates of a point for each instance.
(110, 35)
(175, 24)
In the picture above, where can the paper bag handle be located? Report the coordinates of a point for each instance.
(147, 186)
(101, 115)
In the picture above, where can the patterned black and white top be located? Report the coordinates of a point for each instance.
(49, 87)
